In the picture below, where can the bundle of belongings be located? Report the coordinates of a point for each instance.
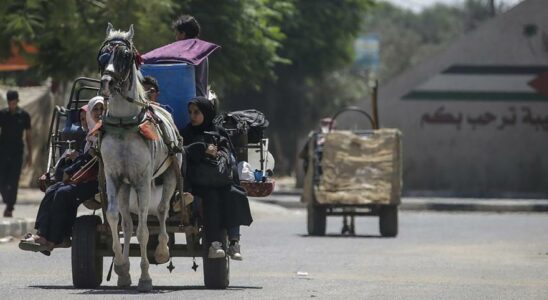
(360, 169)
(251, 122)
(246, 127)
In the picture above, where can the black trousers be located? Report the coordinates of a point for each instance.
(212, 214)
(57, 211)
(10, 171)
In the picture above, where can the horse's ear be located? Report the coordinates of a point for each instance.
(130, 32)
(109, 28)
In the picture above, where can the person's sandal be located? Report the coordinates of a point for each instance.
(28, 243)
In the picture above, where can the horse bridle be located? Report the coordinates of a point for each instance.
(107, 49)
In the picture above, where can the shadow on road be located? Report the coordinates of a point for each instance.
(333, 235)
(114, 290)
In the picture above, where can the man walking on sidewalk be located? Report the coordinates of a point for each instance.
(13, 122)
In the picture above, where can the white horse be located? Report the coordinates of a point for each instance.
(131, 161)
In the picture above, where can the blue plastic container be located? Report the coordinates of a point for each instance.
(177, 87)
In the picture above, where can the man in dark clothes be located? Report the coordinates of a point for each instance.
(13, 122)
(187, 27)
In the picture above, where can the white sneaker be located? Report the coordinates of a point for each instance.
(216, 250)
(234, 251)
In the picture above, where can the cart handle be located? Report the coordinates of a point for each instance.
(352, 108)
(75, 83)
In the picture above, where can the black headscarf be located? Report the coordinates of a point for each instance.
(207, 109)
(190, 132)
(195, 134)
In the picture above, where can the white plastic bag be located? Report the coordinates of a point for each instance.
(245, 172)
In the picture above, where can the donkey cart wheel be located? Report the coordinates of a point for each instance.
(87, 264)
(316, 219)
(216, 270)
(388, 220)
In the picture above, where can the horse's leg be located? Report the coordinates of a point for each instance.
(143, 190)
(121, 267)
(162, 250)
(127, 224)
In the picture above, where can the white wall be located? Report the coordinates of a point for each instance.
(441, 159)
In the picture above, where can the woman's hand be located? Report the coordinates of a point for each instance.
(44, 182)
(211, 150)
(92, 151)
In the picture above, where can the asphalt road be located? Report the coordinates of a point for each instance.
(435, 256)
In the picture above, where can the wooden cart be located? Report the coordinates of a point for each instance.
(91, 235)
(353, 173)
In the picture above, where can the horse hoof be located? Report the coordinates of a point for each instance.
(144, 285)
(121, 270)
(161, 258)
(124, 281)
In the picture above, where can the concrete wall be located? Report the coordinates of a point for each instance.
(477, 156)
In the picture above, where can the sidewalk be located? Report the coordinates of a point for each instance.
(24, 214)
(291, 200)
(285, 196)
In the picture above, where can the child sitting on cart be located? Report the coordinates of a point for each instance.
(58, 209)
(211, 176)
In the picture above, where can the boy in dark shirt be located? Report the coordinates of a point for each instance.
(13, 122)
(187, 27)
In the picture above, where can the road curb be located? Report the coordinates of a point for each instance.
(19, 226)
(287, 193)
(471, 207)
(284, 204)
(440, 204)
(16, 227)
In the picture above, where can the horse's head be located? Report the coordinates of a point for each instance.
(116, 59)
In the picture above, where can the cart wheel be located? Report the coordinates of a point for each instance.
(316, 219)
(216, 270)
(87, 264)
(153, 243)
(388, 220)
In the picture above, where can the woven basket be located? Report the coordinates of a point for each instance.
(259, 189)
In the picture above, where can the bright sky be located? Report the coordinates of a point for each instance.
(418, 5)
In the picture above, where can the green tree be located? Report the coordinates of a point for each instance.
(250, 36)
(69, 32)
(407, 38)
(319, 44)
(289, 58)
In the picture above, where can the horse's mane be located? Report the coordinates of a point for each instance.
(139, 86)
(119, 35)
